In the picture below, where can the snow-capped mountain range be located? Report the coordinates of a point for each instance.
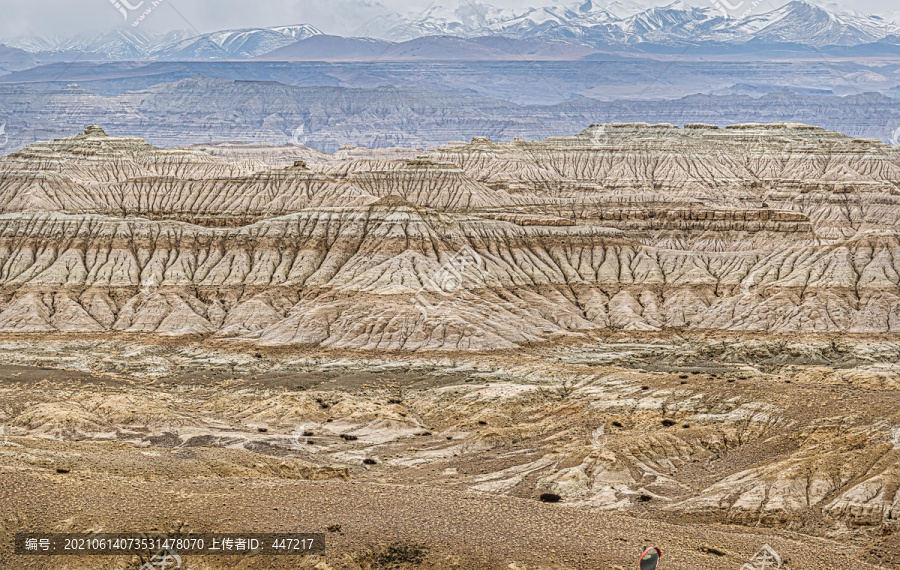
(619, 25)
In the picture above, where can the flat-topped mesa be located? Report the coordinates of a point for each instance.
(662, 166)
(94, 130)
(633, 163)
(426, 163)
(775, 127)
(92, 145)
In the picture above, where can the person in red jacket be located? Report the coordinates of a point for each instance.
(650, 558)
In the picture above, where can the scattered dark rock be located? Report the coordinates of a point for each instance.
(711, 550)
(166, 439)
(399, 553)
(210, 441)
(550, 498)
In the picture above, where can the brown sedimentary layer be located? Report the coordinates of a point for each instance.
(776, 228)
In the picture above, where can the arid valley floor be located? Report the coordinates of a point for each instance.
(688, 336)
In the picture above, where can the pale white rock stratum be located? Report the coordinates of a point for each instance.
(775, 228)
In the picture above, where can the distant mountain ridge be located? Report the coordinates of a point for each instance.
(134, 44)
(614, 27)
(202, 109)
(429, 48)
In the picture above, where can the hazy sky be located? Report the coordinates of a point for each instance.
(68, 17)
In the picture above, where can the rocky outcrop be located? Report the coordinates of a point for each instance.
(475, 246)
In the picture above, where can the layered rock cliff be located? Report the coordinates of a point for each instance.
(476, 245)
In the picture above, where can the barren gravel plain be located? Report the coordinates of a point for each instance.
(524, 355)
